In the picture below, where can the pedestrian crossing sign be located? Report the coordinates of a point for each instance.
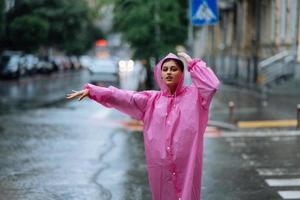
(204, 12)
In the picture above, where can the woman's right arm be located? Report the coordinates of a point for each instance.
(129, 102)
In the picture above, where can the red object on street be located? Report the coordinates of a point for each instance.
(101, 42)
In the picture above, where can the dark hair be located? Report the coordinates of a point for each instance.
(178, 62)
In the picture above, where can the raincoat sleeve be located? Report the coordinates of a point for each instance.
(204, 79)
(129, 102)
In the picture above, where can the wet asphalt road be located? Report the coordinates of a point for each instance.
(70, 151)
(80, 150)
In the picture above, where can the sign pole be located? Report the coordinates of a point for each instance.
(190, 31)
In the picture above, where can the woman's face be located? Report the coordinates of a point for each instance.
(171, 74)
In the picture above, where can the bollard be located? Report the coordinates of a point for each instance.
(298, 116)
(231, 108)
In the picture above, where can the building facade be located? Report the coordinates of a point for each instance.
(254, 42)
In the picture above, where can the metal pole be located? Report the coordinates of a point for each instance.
(256, 39)
(231, 108)
(190, 31)
(298, 116)
(212, 54)
(157, 22)
(298, 53)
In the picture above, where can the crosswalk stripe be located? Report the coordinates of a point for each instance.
(278, 172)
(293, 194)
(283, 182)
(265, 133)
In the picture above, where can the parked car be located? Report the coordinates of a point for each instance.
(85, 61)
(45, 67)
(30, 63)
(10, 64)
(104, 70)
(75, 62)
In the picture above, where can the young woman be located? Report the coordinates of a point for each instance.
(174, 119)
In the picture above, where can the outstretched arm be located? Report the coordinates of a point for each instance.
(202, 77)
(129, 102)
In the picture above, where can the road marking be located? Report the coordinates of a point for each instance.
(265, 133)
(278, 172)
(293, 194)
(267, 123)
(100, 114)
(283, 182)
(137, 125)
(212, 132)
(132, 124)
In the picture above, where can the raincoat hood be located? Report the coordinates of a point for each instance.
(157, 74)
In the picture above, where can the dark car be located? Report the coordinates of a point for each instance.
(10, 64)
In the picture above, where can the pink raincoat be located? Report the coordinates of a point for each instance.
(173, 128)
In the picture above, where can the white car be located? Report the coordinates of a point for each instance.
(104, 70)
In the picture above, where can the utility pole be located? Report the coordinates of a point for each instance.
(298, 51)
(256, 39)
(157, 24)
(190, 30)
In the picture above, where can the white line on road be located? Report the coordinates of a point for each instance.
(277, 172)
(100, 114)
(283, 182)
(265, 133)
(290, 194)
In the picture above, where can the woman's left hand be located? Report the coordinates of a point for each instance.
(185, 56)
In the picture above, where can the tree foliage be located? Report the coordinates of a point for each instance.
(70, 24)
(28, 31)
(1, 21)
(152, 27)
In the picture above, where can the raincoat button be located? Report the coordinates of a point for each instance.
(168, 148)
(174, 173)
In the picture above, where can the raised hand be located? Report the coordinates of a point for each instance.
(81, 94)
(186, 57)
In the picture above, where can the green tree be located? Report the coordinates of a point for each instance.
(28, 32)
(152, 27)
(2, 22)
(70, 23)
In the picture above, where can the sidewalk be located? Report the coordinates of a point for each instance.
(250, 105)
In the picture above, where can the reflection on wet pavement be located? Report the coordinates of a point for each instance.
(73, 151)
